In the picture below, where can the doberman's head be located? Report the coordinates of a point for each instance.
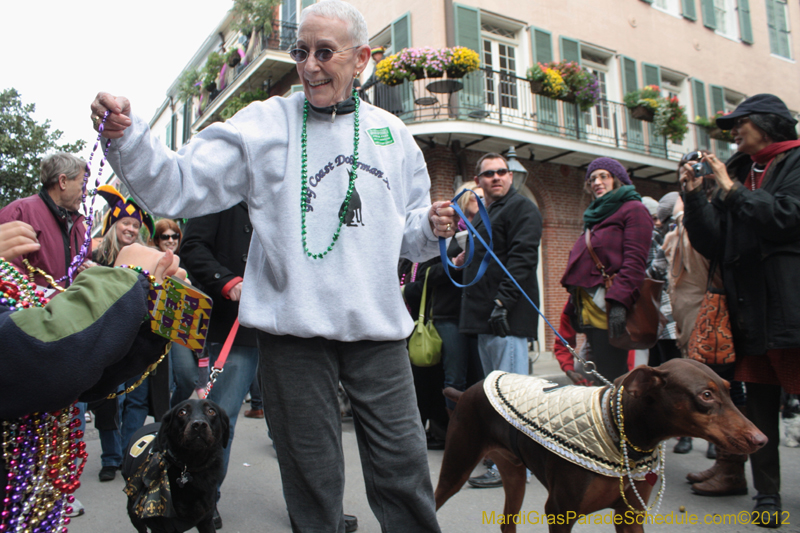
(685, 398)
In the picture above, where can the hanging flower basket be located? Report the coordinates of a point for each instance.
(570, 98)
(537, 87)
(643, 113)
(714, 131)
(417, 74)
(566, 81)
(419, 63)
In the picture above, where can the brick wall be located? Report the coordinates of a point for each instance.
(558, 190)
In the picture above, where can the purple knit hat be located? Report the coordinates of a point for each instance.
(611, 165)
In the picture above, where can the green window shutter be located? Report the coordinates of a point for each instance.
(468, 27)
(709, 17)
(296, 88)
(401, 33)
(169, 137)
(651, 74)
(783, 29)
(187, 122)
(699, 93)
(699, 90)
(541, 46)
(307, 3)
(717, 99)
(689, 9)
(570, 50)
(629, 81)
(745, 28)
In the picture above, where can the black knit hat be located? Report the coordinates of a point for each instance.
(758, 104)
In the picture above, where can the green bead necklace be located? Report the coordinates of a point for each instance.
(304, 182)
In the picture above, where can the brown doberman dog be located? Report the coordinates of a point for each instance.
(679, 398)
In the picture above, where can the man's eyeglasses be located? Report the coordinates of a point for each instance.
(490, 173)
(169, 237)
(322, 55)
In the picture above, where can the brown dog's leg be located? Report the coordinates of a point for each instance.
(512, 471)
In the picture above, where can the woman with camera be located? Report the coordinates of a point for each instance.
(751, 226)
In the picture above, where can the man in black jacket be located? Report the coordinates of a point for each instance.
(214, 250)
(493, 308)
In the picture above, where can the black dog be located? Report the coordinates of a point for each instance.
(173, 475)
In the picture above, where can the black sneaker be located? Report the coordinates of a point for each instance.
(684, 445)
(217, 519)
(108, 473)
(711, 452)
(490, 479)
(350, 523)
(768, 509)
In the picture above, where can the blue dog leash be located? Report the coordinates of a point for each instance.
(472, 233)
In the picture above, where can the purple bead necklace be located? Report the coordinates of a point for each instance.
(81, 257)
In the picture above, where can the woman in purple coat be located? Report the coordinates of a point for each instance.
(621, 229)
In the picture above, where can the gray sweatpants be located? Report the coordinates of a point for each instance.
(300, 381)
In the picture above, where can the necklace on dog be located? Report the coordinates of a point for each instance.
(304, 192)
(623, 442)
(184, 478)
(41, 453)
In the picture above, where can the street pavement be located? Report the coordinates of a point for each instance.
(252, 500)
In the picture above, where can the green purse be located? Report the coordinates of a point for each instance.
(425, 344)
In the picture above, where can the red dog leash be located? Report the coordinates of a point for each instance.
(223, 356)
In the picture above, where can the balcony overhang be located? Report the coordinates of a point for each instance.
(490, 137)
(274, 64)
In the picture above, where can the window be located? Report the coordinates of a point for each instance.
(598, 122)
(289, 8)
(672, 7)
(499, 53)
(726, 18)
(778, 25)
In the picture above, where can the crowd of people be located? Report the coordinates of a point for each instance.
(307, 294)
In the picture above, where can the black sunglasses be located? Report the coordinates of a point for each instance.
(490, 173)
(322, 55)
(169, 237)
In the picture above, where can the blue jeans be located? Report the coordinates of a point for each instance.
(508, 354)
(232, 384)
(459, 358)
(134, 407)
(111, 447)
(183, 367)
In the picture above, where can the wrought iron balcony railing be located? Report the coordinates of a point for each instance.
(502, 98)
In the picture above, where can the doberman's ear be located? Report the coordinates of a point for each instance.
(643, 379)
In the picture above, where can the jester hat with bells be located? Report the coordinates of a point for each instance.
(119, 208)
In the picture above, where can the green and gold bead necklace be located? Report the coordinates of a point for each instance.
(304, 207)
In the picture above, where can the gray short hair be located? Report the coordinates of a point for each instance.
(59, 163)
(337, 9)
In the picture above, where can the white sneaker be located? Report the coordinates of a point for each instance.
(77, 509)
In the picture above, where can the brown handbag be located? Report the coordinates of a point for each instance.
(711, 341)
(645, 321)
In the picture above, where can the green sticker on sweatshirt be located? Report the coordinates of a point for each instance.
(381, 136)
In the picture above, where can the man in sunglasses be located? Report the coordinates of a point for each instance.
(493, 309)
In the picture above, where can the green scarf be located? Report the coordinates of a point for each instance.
(608, 204)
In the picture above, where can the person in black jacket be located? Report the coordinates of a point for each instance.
(214, 250)
(752, 227)
(494, 309)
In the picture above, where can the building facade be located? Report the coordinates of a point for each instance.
(710, 54)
